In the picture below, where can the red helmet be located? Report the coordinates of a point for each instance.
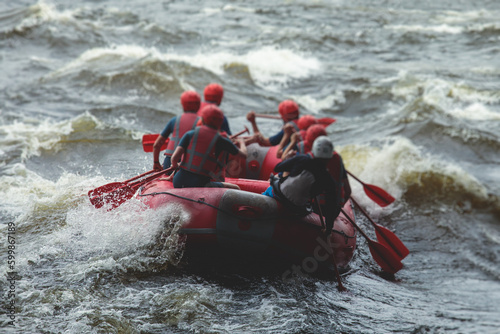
(314, 132)
(289, 110)
(213, 93)
(190, 101)
(212, 116)
(306, 121)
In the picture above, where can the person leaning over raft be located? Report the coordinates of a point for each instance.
(176, 128)
(307, 178)
(335, 165)
(200, 149)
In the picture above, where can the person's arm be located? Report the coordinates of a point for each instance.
(346, 186)
(225, 144)
(292, 147)
(162, 138)
(242, 152)
(156, 152)
(225, 126)
(251, 119)
(176, 157)
(288, 132)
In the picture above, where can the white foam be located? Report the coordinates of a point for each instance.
(440, 29)
(476, 111)
(268, 66)
(33, 135)
(398, 164)
(43, 12)
(455, 98)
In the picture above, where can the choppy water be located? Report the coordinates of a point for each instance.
(415, 89)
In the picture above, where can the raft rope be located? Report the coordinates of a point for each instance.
(199, 201)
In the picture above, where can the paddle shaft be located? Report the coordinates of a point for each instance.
(268, 116)
(378, 195)
(384, 257)
(240, 133)
(340, 286)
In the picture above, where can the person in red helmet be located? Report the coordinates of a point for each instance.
(289, 112)
(176, 128)
(213, 94)
(292, 137)
(198, 151)
(304, 146)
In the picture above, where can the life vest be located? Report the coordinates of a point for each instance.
(200, 156)
(303, 147)
(295, 125)
(185, 122)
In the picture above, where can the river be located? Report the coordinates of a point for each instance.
(414, 87)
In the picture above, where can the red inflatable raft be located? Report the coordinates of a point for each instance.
(259, 164)
(245, 220)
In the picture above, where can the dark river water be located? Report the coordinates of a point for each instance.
(415, 89)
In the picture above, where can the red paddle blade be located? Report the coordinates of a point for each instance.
(378, 195)
(325, 121)
(105, 189)
(148, 140)
(385, 258)
(387, 238)
(115, 198)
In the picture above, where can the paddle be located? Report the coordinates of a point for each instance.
(340, 286)
(323, 121)
(148, 140)
(120, 191)
(377, 194)
(386, 259)
(113, 185)
(386, 236)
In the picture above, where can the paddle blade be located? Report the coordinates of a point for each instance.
(325, 121)
(385, 258)
(148, 140)
(114, 198)
(378, 195)
(387, 238)
(105, 189)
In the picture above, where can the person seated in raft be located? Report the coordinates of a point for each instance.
(213, 94)
(289, 112)
(176, 128)
(200, 149)
(302, 143)
(292, 137)
(307, 177)
(335, 165)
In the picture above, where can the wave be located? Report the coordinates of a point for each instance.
(267, 66)
(401, 168)
(29, 137)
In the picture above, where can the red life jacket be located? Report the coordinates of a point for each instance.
(294, 123)
(185, 122)
(200, 156)
(304, 147)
